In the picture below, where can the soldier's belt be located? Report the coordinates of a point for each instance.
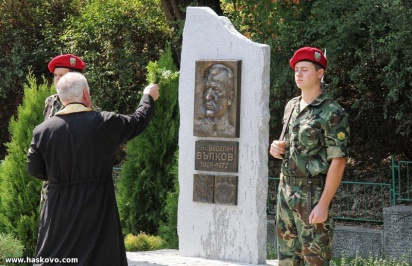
(307, 185)
(298, 181)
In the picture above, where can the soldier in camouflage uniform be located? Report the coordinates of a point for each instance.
(59, 66)
(314, 154)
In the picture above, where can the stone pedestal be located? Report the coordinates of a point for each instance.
(222, 202)
(352, 241)
(398, 231)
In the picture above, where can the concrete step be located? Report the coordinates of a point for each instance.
(171, 257)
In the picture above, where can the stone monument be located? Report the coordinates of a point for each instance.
(223, 141)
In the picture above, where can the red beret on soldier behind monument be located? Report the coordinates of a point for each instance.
(311, 54)
(69, 61)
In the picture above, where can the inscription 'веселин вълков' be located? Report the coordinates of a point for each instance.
(220, 156)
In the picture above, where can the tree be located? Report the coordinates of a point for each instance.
(369, 63)
(117, 39)
(370, 69)
(29, 31)
(146, 176)
(168, 228)
(175, 11)
(19, 192)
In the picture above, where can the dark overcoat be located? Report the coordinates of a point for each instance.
(74, 152)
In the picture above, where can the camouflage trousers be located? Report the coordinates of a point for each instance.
(300, 243)
(43, 194)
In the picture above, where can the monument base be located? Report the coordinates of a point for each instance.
(171, 257)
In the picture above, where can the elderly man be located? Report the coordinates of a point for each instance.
(73, 150)
(59, 66)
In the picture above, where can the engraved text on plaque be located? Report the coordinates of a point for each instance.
(219, 156)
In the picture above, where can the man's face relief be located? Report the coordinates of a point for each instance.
(218, 99)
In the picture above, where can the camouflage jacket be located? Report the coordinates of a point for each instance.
(316, 134)
(52, 105)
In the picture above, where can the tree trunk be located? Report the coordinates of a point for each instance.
(175, 14)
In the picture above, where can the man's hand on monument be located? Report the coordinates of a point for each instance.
(277, 149)
(152, 90)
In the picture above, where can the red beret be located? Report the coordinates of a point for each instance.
(67, 61)
(309, 54)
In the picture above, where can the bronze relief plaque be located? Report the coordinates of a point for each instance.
(218, 156)
(217, 98)
(215, 189)
(203, 188)
(226, 190)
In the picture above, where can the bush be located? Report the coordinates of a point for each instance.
(10, 247)
(19, 192)
(146, 175)
(168, 229)
(370, 261)
(271, 252)
(143, 242)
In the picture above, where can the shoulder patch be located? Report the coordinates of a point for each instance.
(341, 135)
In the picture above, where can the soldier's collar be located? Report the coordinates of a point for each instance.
(74, 108)
(320, 99)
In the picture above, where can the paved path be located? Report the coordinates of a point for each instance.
(170, 257)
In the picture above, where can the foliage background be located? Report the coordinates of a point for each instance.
(369, 73)
(369, 70)
(19, 192)
(10, 247)
(116, 39)
(367, 44)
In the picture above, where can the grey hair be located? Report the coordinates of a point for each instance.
(70, 87)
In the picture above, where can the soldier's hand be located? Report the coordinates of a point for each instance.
(319, 214)
(152, 90)
(277, 149)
